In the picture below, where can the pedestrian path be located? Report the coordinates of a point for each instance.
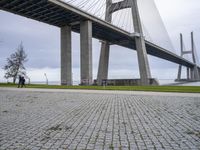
(39, 119)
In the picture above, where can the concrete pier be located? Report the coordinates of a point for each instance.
(86, 52)
(192, 74)
(196, 73)
(199, 72)
(188, 73)
(103, 62)
(145, 74)
(179, 72)
(66, 56)
(105, 50)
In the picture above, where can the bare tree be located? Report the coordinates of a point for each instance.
(15, 64)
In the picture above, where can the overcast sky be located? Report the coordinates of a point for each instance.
(42, 43)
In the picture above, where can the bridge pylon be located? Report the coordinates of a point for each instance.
(105, 50)
(145, 74)
(193, 73)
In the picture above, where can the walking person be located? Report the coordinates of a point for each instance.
(23, 82)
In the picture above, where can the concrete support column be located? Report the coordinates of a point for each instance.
(86, 52)
(105, 50)
(180, 66)
(199, 73)
(103, 62)
(192, 73)
(179, 72)
(145, 74)
(188, 73)
(196, 73)
(66, 57)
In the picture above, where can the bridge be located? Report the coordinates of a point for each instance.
(70, 18)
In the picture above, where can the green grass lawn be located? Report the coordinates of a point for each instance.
(181, 89)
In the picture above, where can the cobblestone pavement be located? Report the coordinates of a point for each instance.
(73, 120)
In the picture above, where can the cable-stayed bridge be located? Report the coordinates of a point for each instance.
(95, 19)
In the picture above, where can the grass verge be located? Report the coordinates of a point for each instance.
(180, 89)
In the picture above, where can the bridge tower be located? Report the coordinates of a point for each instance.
(145, 74)
(193, 74)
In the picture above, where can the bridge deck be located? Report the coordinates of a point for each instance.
(58, 13)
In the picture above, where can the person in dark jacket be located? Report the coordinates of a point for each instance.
(23, 82)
